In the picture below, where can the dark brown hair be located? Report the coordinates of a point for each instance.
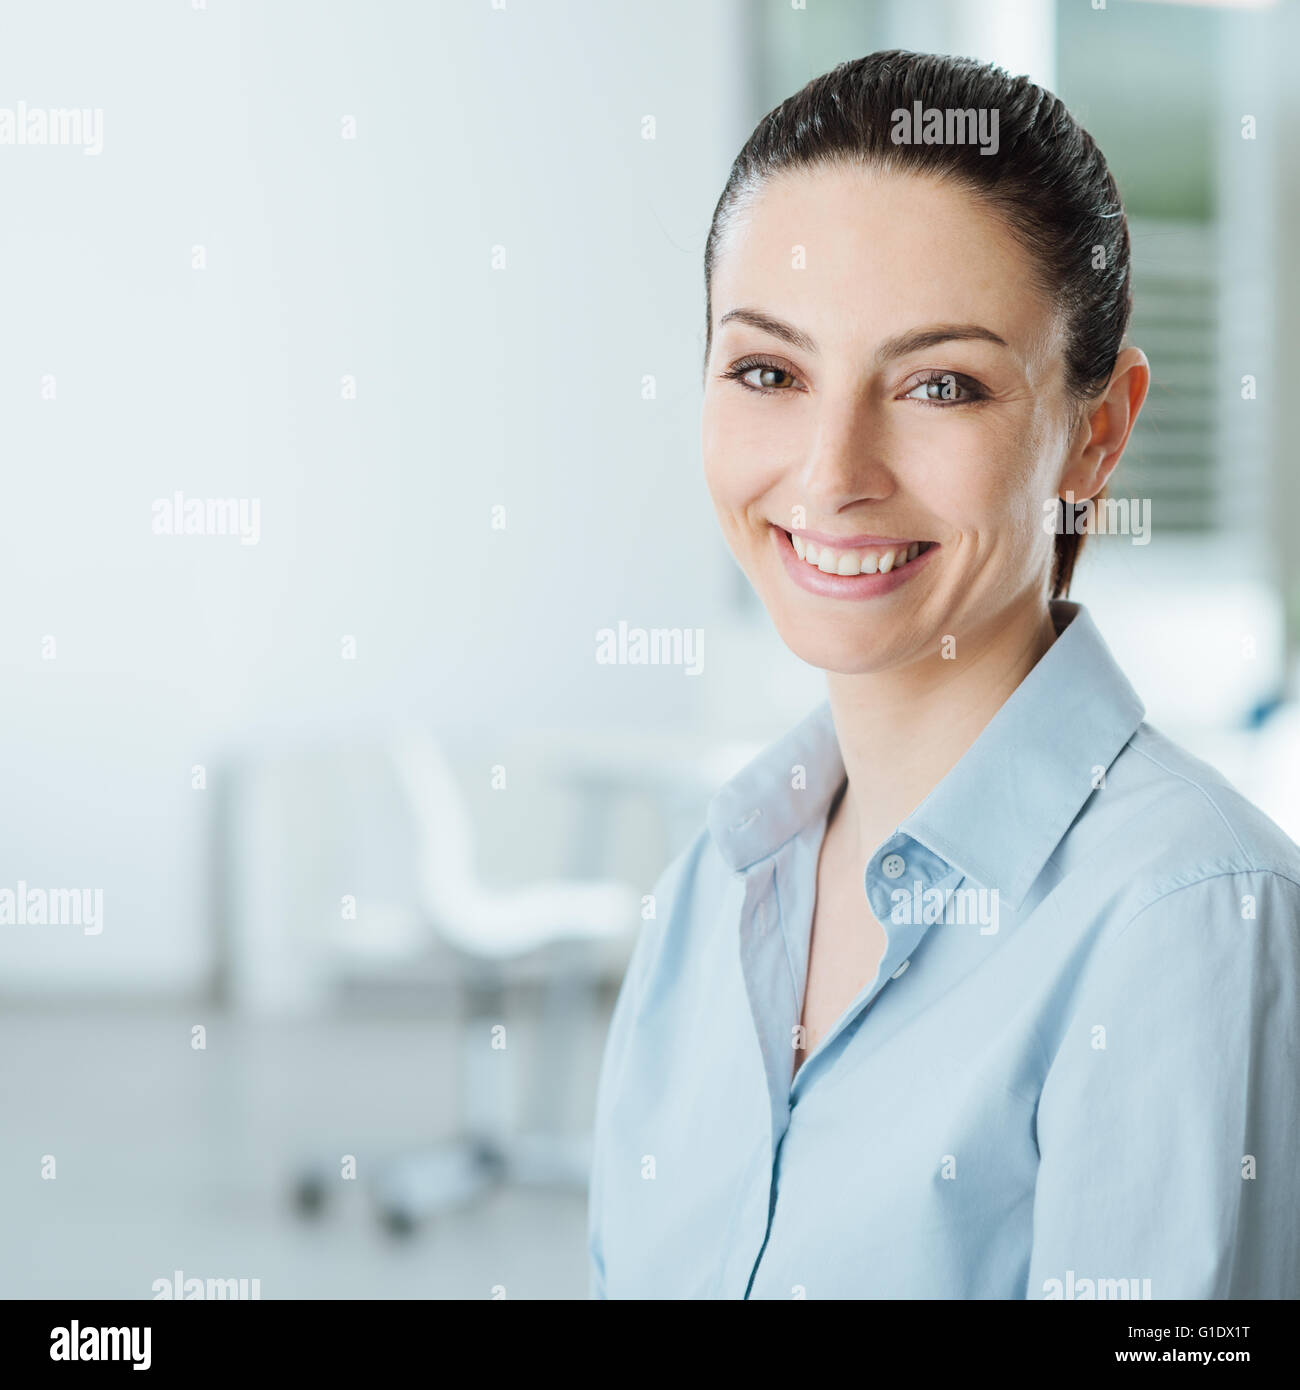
(1047, 180)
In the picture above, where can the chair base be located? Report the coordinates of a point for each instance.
(414, 1189)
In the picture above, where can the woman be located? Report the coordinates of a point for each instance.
(974, 985)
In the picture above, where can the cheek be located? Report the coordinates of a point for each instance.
(989, 492)
(1037, 462)
(739, 455)
(964, 479)
(717, 449)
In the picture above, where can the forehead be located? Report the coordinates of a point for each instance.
(851, 254)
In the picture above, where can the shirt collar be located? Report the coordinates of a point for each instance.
(1001, 811)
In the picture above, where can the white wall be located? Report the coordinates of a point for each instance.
(325, 257)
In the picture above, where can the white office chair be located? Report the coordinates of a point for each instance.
(480, 923)
(577, 932)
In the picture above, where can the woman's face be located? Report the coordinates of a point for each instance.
(883, 382)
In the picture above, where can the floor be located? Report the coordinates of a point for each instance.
(169, 1157)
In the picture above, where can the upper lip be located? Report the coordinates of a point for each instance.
(852, 542)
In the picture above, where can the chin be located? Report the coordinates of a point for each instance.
(851, 642)
(860, 654)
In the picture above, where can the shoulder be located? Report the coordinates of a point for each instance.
(1200, 835)
(690, 894)
(682, 914)
(1194, 891)
(1195, 968)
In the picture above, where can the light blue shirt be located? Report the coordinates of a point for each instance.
(1075, 1074)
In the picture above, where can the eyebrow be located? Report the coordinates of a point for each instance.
(765, 323)
(914, 340)
(918, 339)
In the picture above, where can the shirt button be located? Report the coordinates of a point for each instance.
(900, 970)
(892, 865)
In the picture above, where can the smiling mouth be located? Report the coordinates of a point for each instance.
(874, 559)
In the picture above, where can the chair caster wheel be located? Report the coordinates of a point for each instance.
(489, 1159)
(309, 1196)
(398, 1223)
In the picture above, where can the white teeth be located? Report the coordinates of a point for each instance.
(852, 562)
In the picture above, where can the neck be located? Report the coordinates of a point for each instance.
(901, 731)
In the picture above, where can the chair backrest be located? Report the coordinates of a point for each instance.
(445, 875)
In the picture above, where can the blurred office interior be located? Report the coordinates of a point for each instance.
(359, 795)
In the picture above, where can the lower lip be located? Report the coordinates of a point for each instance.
(851, 586)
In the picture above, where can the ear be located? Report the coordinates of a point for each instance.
(1106, 426)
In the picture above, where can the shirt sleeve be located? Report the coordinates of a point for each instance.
(610, 1060)
(617, 1039)
(625, 1008)
(1169, 1120)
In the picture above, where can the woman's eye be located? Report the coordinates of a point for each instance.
(762, 376)
(946, 388)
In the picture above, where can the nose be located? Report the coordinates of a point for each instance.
(846, 460)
